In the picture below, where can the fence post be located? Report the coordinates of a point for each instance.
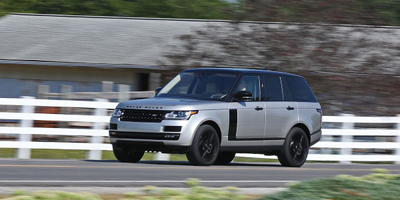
(66, 95)
(161, 156)
(96, 154)
(123, 92)
(42, 91)
(346, 138)
(398, 140)
(25, 153)
(154, 81)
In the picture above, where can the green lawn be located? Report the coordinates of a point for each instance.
(107, 155)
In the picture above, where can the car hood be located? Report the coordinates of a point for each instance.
(172, 104)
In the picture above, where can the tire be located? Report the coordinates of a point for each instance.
(126, 155)
(295, 148)
(224, 158)
(205, 147)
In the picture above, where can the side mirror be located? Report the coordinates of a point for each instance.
(157, 90)
(243, 96)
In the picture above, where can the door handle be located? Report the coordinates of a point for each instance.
(258, 108)
(290, 108)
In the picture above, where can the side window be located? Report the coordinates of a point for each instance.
(300, 90)
(250, 83)
(287, 96)
(272, 90)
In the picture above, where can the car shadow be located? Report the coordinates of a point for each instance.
(157, 162)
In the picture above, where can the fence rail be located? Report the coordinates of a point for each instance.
(322, 151)
(344, 138)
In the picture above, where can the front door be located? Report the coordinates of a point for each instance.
(250, 115)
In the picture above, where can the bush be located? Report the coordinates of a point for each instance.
(380, 185)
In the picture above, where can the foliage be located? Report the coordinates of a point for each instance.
(372, 12)
(345, 187)
(289, 47)
(300, 43)
(192, 182)
(201, 9)
(378, 185)
(53, 195)
(150, 193)
(377, 12)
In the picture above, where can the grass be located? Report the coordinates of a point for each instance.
(106, 155)
(7, 153)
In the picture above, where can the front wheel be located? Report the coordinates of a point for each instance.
(295, 148)
(127, 155)
(205, 146)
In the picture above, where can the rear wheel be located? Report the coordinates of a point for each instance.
(295, 149)
(224, 158)
(205, 146)
(127, 155)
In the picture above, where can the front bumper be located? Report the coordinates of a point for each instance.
(174, 133)
(150, 146)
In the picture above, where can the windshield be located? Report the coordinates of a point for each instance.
(210, 86)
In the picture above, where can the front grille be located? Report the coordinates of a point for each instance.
(132, 115)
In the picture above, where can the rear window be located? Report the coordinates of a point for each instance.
(300, 90)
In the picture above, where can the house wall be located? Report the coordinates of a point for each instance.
(23, 80)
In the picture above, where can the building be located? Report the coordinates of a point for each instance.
(83, 51)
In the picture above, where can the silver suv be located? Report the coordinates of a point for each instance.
(212, 113)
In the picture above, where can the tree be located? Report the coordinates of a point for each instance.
(194, 9)
(367, 12)
(349, 66)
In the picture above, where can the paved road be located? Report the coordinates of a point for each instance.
(67, 173)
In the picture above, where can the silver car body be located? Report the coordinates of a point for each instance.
(253, 127)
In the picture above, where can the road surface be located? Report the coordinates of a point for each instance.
(77, 173)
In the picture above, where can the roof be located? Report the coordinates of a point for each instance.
(240, 71)
(119, 42)
(113, 42)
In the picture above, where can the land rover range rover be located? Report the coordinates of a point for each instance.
(212, 113)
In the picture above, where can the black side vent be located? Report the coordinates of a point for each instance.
(232, 124)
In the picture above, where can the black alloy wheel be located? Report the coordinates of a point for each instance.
(295, 149)
(205, 146)
(127, 155)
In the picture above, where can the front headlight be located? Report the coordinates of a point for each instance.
(179, 115)
(117, 113)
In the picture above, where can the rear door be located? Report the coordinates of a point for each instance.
(308, 107)
(281, 110)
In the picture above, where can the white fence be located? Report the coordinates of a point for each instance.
(100, 116)
(99, 119)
